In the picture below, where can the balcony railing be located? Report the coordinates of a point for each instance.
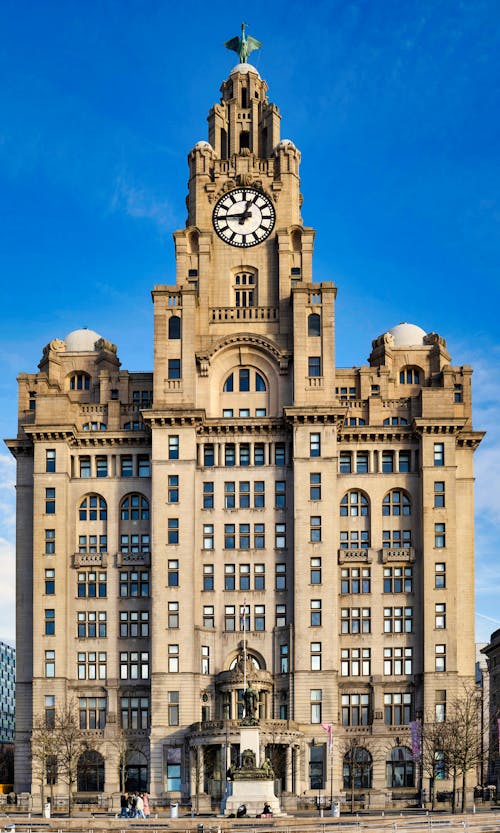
(221, 315)
(398, 554)
(90, 559)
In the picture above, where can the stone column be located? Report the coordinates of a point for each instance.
(288, 770)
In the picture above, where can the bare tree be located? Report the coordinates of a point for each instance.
(434, 749)
(464, 738)
(71, 743)
(357, 754)
(44, 755)
(127, 747)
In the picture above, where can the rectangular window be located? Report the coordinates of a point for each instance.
(315, 486)
(439, 454)
(245, 618)
(397, 709)
(355, 662)
(134, 623)
(440, 616)
(458, 393)
(280, 494)
(396, 538)
(92, 585)
(259, 577)
(439, 536)
(244, 494)
(173, 573)
(280, 454)
(173, 531)
(173, 447)
(50, 582)
(173, 659)
(229, 536)
(208, 576)
(173, 614)
(355, 620)
(398, 661)
(439, 575)
(439, 494)
(281, 616)
(244, 578)
(315, 445)
(144, 465)
(244, 455)
(134, 584)
(362, 462)
(50, 663)
(127, 466)
(440, 705)
(208, 495)
(387, 462)
(259, 454)
(314, 365)
(173, 720)
(355, 709)
(398, 579)
(345, 462)
(205, 659)
(440, 654)
(315, 613)
(50, 459)
(259, 494)
(134, 712)
(134, 665)
(173, 767)
(355, 580)
(50, 622)
(92, 712)
(173, 488)
(315, 571)
(404, 461)
(229, 495)
(280, 577)
(244, 537)
(208, 536)
(50, 501)
(244, 412)
(284, 659)
(91, 665)
(229, 577)
(280, 536)
(208, 616)
(229, 454)
(315, 656)
(174, 368)
(259, 618)
(101, 466)
(316, 696)
(259, 536)
(50, 711)
(398, 619)
(50, 541)
(230, 618)
(355, 540)
(208, 454)
(315, 529)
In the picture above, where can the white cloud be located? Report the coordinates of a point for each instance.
(139, 202)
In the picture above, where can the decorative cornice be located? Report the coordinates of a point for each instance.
(204, 358)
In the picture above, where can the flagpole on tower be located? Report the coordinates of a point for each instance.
(244, 650)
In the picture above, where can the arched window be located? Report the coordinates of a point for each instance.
(93, 508)
(90, 772)
(174, 327)
(134, 507)
(79, 381)
(314, 324)
(260, 384)
(395, 421)
(95, 426)
(410, 376)
(357, 769)
(400, 768)
(229, 384)
(396, 502)
(134, 524)
(245, 289)
(354, 504)
(238, 661)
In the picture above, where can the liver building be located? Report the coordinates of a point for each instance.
(247, 512)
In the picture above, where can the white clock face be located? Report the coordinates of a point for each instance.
(244, 217)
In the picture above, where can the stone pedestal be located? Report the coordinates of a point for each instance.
(253, 780)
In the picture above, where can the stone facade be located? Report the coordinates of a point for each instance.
(247, 510)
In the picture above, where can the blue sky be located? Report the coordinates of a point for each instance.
(394, 106)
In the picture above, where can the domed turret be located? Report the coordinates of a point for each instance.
(81, 341)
